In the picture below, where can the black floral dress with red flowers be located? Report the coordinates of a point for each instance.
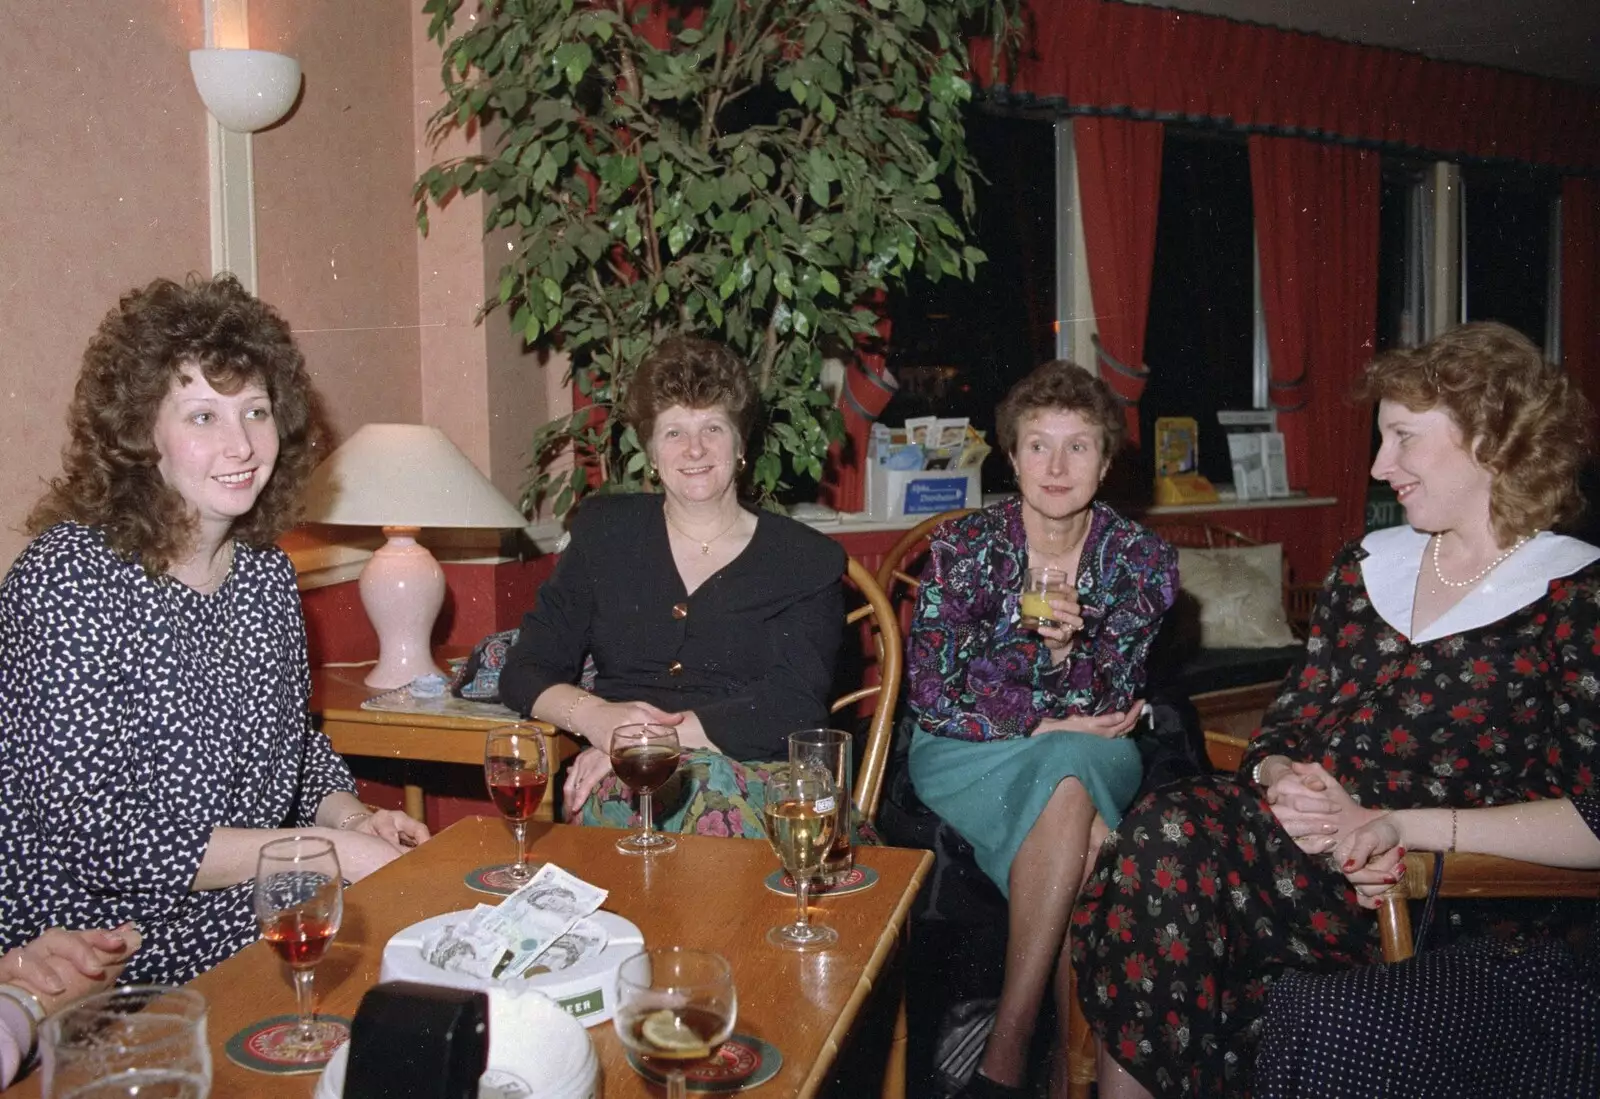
(1200, 899)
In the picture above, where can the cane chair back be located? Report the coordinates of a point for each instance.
(875, 616)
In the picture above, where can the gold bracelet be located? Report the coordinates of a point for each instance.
(1452, 831)
(572, 708)
(344, 825)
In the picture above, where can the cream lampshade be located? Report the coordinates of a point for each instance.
(403, 477)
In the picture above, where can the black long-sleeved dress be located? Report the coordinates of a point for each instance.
(136, 716)
(751, 651)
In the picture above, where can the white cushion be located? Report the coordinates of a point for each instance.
(1240, 594)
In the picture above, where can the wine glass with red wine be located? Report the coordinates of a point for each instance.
(517, 771)
(299, 901)
(644, 757)
(674, 1008)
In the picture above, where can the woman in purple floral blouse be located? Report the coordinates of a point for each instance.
(1021, 734)
(1453, 662)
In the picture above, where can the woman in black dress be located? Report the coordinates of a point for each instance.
(154, 731)
(1451, 663)
(701, 613)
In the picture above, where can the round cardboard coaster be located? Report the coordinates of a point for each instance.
(743, 1061)
(269, 1045)
(859, 879)
(495, 879)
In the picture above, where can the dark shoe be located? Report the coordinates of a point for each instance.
(981, 1087)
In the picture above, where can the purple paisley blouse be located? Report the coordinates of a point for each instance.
(977, 675)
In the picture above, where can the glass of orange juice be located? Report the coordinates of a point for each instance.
(1037, 587)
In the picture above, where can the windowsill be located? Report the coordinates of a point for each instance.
(1227, 502)
(323, 557)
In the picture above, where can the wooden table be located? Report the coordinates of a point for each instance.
(337, 695)
(708, 893)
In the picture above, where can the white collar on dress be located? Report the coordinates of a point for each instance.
(1395, 558)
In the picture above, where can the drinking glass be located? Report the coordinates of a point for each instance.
(674, 1008)
(1037, 586)
(139, 1040)
(830, 750)
(800, 815)
(516, 768)
(644, 756)
(299, 900)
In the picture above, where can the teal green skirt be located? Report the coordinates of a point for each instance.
(993, 791)
(709, 795)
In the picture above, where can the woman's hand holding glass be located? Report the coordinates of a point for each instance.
(1068, 613)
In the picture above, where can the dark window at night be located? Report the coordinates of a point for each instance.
(1199, 341)
(1507, 247)
(958, 346)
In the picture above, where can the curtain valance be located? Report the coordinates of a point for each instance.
(1109, 57)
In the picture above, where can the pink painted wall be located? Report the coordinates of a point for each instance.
(335, 235)
(102, 187)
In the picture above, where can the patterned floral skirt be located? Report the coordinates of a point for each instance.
(1198, 902)
(710, 795)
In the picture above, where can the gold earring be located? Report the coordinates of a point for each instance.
(741, 463)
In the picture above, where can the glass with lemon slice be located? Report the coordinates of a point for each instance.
(675, 1006)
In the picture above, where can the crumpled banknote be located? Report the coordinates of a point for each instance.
(542, 927)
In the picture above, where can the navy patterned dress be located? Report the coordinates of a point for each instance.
(981, 684)
(136, 716)
(1201, 900)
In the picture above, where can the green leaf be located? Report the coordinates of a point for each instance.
(830, 282)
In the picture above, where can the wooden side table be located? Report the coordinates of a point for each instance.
(336, 697)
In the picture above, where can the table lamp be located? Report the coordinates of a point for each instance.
(403, 477)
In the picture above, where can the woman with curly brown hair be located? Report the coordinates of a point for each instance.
(700, 613)
(153, 671)
(1452, 664)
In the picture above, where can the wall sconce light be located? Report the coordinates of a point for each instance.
(245, 90)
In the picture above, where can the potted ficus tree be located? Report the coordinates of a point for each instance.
(747, 170)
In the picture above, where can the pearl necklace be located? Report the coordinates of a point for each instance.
(705, 547)
(1485, 571)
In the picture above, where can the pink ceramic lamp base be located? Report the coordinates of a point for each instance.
(402, 589)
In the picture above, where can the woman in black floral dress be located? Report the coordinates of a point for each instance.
(153, 678)
(1452, 662)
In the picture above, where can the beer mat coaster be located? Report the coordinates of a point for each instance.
(743, 1061)
(495, 879)
(860, 879)
(270, 1045)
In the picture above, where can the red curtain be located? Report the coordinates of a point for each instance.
(1316, 213)
(1150, 61)
(1580, 283)
(1119, 184)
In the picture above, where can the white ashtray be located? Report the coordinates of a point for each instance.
(587, 990)
(535, 1049)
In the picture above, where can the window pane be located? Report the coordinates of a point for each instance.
(1199, 337)
(958, 346)
(1508, 246)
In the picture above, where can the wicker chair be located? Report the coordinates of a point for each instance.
(877, 616)
(1474, 876)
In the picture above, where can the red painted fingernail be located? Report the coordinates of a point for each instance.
(1402, 852)
(1349, 864)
